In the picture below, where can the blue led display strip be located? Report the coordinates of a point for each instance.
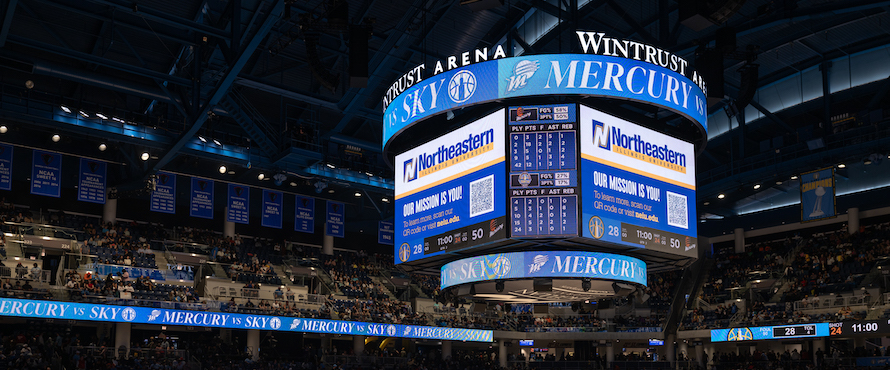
(814, 330)
(160, 316)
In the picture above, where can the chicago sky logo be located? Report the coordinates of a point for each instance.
(391, 330)
(128, 314)
(275, 323)
(522, 72)
(462, 86)
(537, 262)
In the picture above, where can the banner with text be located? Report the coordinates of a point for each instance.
(304, 218)
(91, 187)
(272, 201)
(6, 167)
(163, 316)
(334, 221)
(817, 195)
(163, 199)
(46, 174)
(238, 204)
(385, 233)
(202, 198)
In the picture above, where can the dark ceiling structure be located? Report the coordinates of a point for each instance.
(294, 87)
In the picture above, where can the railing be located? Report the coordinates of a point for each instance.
(555, 365)
(832, 302)
(110, 352)
(42, 276)
(347, 362)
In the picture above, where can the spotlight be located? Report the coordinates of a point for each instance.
(261, 176)
(102, 147)
(3, 129)
(222, 168)
(65, 109)
(706, 203)
(145, 156)
(330, 165)
(756, 186)
(203, 140)
(385, 200)
(794, 177)
(841, 166)
(217, 142)
(778, 182)
(721, 196)
(118, 120)
(866, 161)
(102, 116)
(56, 138)
(293, 183)
(84, 114)
(357, 194)
(330, 191)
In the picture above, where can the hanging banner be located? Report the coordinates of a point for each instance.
(238, 204)
(385, 232)
(46, 174)
(817, 195)
(304, 218)
(6, 167)
(334, 222)
(272, 201)
(163, 198)
(202, 198)
(91, 187)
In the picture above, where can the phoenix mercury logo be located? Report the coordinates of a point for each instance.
(522, 72)
(154, 315)
(295, 324)
(537, 262)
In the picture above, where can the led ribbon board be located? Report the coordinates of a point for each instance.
(771, 332)
(550, 264)
(549, 74)
(145, 315)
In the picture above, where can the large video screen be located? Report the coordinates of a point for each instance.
(543, 170)
(450, 191)
(639, 185)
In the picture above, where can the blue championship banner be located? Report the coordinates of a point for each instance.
(91, 187)
(335, 220)
(547, 264)
(163, 199)
(238, 204)
(201, 204)
(46, 174)
(817, 195)
(272, 201)
(160, 316)
(385, 232)
(6, 167)
(304, 216)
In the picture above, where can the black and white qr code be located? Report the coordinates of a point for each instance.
(677, 213)
(482, 196)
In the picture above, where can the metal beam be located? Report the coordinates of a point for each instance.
(632, 22)
(163, 18)
(771, 116)
(222, 89)
(46, 27)
(527, 49)
(64, 52)
(7, 21)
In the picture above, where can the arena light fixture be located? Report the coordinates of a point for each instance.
(222, 168)
(56, 138)
(756, 186)
(102, 147)
(84, 114)
(217, 142)
(841, 166)
(102, 116)
(721, 196)
(357, 194)
(3, 129)
(203, 140)
(261, 176)
(145, 156)
(794, 177)
(65, 109)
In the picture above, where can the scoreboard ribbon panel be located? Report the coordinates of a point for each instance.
(543, 170)
(639, 185)
(450, 191)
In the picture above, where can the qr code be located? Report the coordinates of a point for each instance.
(482, 196)
(677, 214)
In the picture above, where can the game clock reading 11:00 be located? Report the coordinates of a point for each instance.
(859, 327)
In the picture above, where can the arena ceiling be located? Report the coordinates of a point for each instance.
(270, 80)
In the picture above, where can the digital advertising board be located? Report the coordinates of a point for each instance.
(639, 185)
(812, 330)
(449, 192)
(543, 170)
(544, 264)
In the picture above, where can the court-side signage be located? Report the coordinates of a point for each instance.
(147, 315)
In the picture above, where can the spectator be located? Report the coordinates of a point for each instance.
(290, 294)
(20, 270)
(279, 294)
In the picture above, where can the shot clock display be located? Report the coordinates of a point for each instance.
(543, 170)
(848, 328)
